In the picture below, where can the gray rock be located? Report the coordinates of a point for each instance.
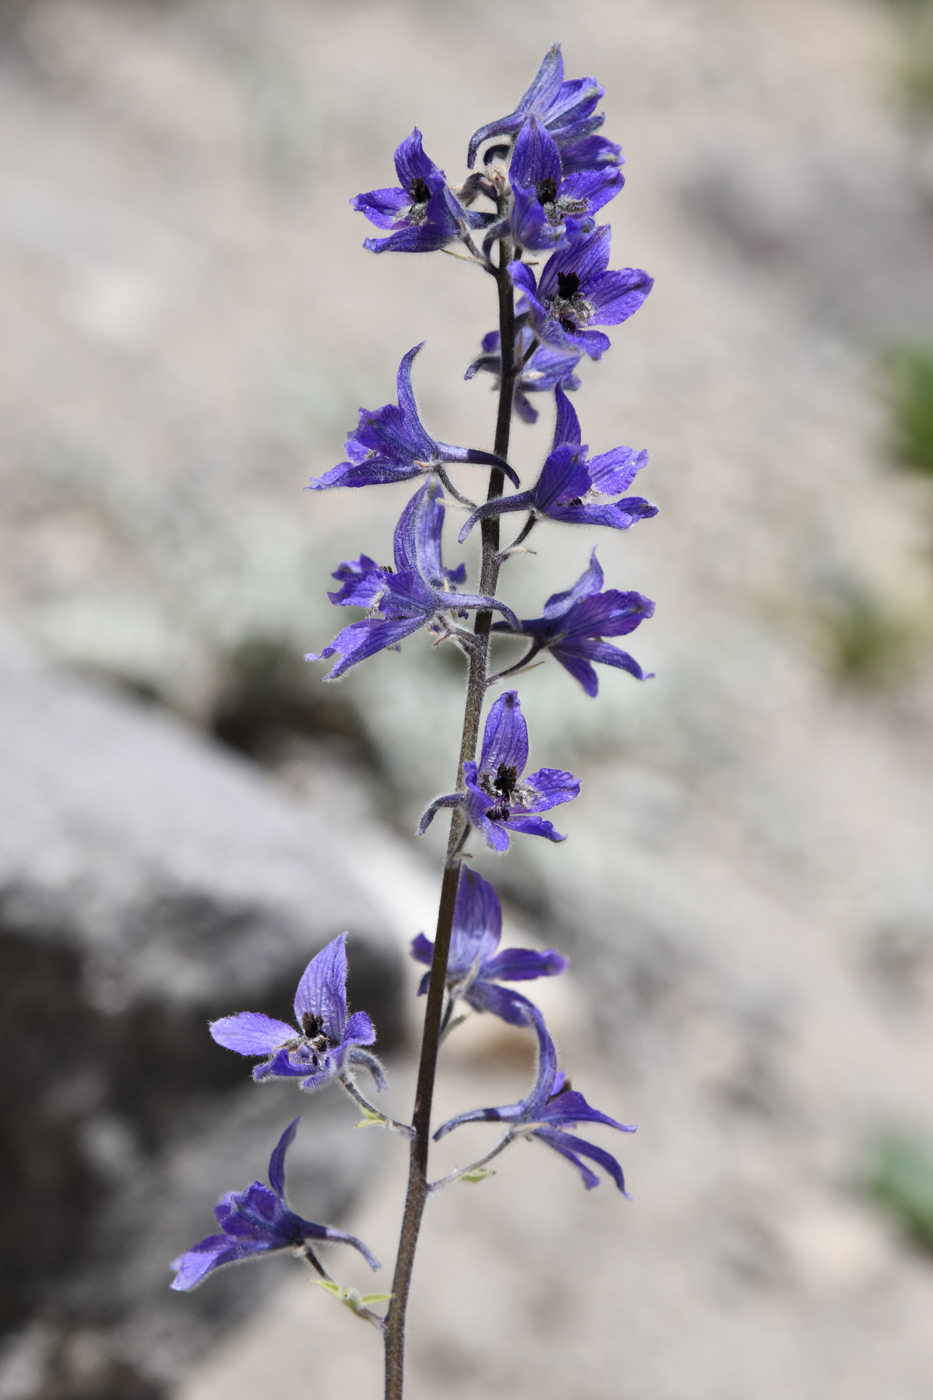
(148, 881)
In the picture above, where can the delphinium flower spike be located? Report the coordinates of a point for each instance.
(327, 1043)
(475, 966)
(546, 174)
(392, 444)
(496, 799)
(258, 1221)
(574, 624)
(575, 490)
(549, 1110)
(419, 593)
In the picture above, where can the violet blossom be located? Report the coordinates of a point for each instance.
(577, 292)
(475, 967)
(421, 211)
(548, 204)
(257, 1221)
(575, 490)
(549, 1110)
(574, 624)
(565, 109)
(496, 800)
(418, 593)
(542, 368)
(327, 1042)
(392, 444)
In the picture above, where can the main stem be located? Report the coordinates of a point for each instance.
(476, 690)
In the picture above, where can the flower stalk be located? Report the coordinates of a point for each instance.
(419, 1187)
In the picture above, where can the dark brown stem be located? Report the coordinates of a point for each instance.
(418, 1188)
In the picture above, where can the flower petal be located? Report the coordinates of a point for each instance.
(311, 1231)
(422, 950)
(277, 1160)
(573, 1148)
(213, 1253)
(505, 737)
(609, 614)
(567, 427)
(382, 207)
(406, 401)
(551, 787)
(411, 163)
(606, 654)
(362, 1057)
(544, 88)
(500, 1001)
(547, 1069)
(535, 826)
(579, 668)
(361, 640)
(535, 157)
(359, 1030)
(586, 255)
(615, 296)
(477, 926)
(589, 582)
(563, 478)
(571, 1107)
(251, 1033)
(524, 965)
(322, 990)
(613, 472)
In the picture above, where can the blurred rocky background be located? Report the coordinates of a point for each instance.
(747, 894)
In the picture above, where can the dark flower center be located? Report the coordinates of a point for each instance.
(505, 779)
(314, 1034)
(568, 306)
(419, 191)
(502, 787)
(546, 191)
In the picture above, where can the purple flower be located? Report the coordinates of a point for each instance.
(475, 965)
(576, 292)
(545, 368)
(547, 203)
(551, 1108)
(327, 1042)
(254, 1222)
(420, 210)
(575, 622)
(416, 594)
(496, 800)
(392, 444)
(565, 109)
(574, 490)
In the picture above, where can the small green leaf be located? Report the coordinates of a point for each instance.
(477, 1174)
(371, 1119)
(351, 1297)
